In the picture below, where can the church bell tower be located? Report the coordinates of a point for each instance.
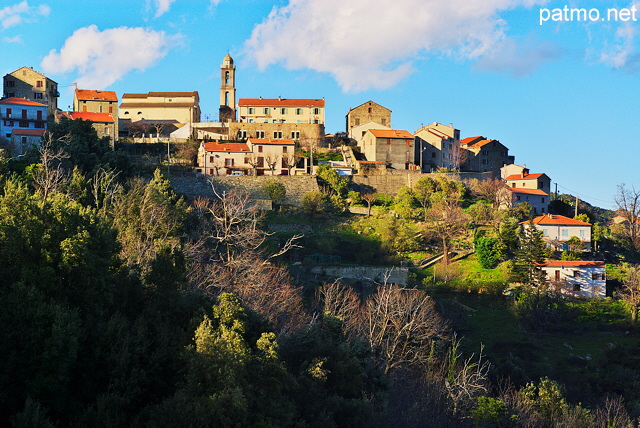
(227, 90)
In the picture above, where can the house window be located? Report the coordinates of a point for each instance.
(39, 84)
(10, 83)
(23, 140)
(24, 124)
(39, 114)
(565, 232)
(576, 274)
(545, 232)
(24, 113)
(517, 197)
(576, 287)
(252, 110)
(539, 184)
(295, 135)
(594, 276)
(357, 121)
(284, 149)
(37, 95)
(316, 111)
(260, 163)
(39, 125)
(283, 111)
(298, 111)
(543, 200)
(316, 121)
(211, 159)
(433, 155)
(384, 122)
(277, 134)
(250, 120)
(259, 149)
(265, 110)
(582, 234)
(242, 134)
(228, 163)
(259, 134)
(388, 141)
(110, 109)
(8, 123)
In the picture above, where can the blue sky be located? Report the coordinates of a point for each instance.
(563, 96)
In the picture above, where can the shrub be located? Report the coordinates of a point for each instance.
(275, 190)
(486, 252)
(314, 202)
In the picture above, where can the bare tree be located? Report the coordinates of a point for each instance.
(401, 325)
(492, 191)
(342, 302)
(630, 291)
(466, 380)
(105, 188)
(272, 160)
(628, 202)
(448, 221)
(255, 161)
(49, 175)
(138, 128)
(158, 126)
(290, 160)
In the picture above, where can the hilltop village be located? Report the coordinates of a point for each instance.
(161, 270)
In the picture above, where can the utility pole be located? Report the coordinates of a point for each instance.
(577, 200)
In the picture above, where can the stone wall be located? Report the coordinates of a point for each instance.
(391, 183)
(390, 274)
(194, 186)
(309, 132)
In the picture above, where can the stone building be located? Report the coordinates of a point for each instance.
(94, 101)
(103, 123)
(177, 107)
(227, 90)
(394, 147)
(438, 146)
(483, 155)
(365, 113)
(32, 85)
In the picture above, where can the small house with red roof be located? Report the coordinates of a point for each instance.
(484, 155)
(256, 156)
(103, 123)
(96, 101)
(558, 229)
(20, 114)
(586, 279)
(526, 187)
(394, 147)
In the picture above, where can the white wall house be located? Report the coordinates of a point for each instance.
(558, 229)
(586, 279)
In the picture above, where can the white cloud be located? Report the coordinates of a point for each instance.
(624, 53)
(371, 43)
(102, 57)
(16, 39)
(162, 6)
(21, 12)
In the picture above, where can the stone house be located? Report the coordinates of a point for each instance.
(281, 110)
(103, 123)
(394, 147)
(32, 85)
(538, 199)
(483, 155)
(586, 279)
(94, 101)
(25, 139)
(437, 146)
(366, 113)
(174, 108)
(558, 229)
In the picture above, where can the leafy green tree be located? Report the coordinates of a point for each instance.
(486, 252)
(492, 413)
(530, 255)
(405, 203)
(276, 191)
(314, 202)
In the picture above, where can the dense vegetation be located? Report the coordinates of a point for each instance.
(125, 305)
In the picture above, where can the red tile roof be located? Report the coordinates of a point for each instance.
(556, 219)
(578, 263)
(281, 102)
(36, 132)
(470, 140)
(271, 141)
(224, 146)
(527, 191)
(526, 177)
(480, 143)
(391, 133)
(86, 115)
(93, 95)
(21, 101)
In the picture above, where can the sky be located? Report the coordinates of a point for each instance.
(557, 82)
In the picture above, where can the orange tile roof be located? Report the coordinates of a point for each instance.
(271, 141)
(526, 177)
(391, 133)
(281, 102)
(94, 95)
(90, 116)
(470, 140)
(21, 102)
(36, 132)
(527, 191)
(480, 143)
(224, 146)
(577, 263)
(556, 219)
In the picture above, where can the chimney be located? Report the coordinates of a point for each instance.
(279, 98)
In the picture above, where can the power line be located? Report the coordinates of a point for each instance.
(583, 196)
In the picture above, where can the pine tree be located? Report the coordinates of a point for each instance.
(530, 254)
